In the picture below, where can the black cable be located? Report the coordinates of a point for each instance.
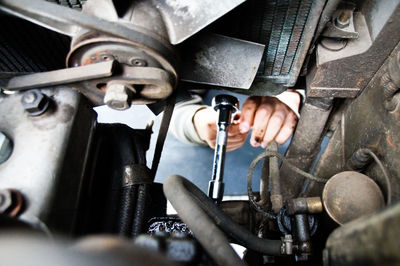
(177, 190)
(291, 166)
(384, 172)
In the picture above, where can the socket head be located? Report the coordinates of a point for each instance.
(224, 100)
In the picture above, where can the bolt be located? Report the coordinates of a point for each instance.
(35, 102)
(138, 62)
(5, 147)
(118, 96)
(343, 20)
(106, 57)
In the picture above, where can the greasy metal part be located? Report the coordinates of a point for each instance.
(353, 63)
(304, 205)
(157, 85)
(359, 160)
(53, 150)
(117, 95)
(371, 240)
(221, 61)
(343, 20)
(240, 212)
(275, 185)
(303, 237)
(368, 125)
(305, 144)
(391, 83)
(34, 102)
(350, 195)
(70, 22)
(139, 65)
(183, 19)
(287, 245)
(61, 77)
(6, 147)
(342, 25)
(225, 105)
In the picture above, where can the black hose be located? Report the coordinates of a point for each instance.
(187, 198)
(127, 207)
(140, 211)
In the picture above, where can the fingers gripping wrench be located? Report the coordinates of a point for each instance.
(225, 105)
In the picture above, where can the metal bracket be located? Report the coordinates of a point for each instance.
(62, 76)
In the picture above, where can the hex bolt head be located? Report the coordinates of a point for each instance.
(6, 147)
(343, 20)
(35, 102)
(117, 96)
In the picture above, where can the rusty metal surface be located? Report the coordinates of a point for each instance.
(353, 67)
(368, 241)
(185, 18)
(368, 124)
(350, 195)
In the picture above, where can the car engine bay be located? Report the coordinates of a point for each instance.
(74, 191)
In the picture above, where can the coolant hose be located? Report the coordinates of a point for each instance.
(197, 210)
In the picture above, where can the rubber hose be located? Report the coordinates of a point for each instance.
(207, 233)
(178, 189)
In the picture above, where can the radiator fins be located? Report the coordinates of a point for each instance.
(279, 25)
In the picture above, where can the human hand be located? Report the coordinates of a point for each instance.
(270, 118)
(205, 123)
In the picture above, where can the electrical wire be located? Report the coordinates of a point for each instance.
(253, 164)
(384, 172)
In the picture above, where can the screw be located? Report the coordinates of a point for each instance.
(5, 147)
(138, 62)
(106, 57)
(35, 102)
(118, 96)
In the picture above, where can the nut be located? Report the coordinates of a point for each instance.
(5, 147)
(118, 96)
(35, 102)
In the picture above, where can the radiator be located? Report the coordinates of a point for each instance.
(285, 27)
